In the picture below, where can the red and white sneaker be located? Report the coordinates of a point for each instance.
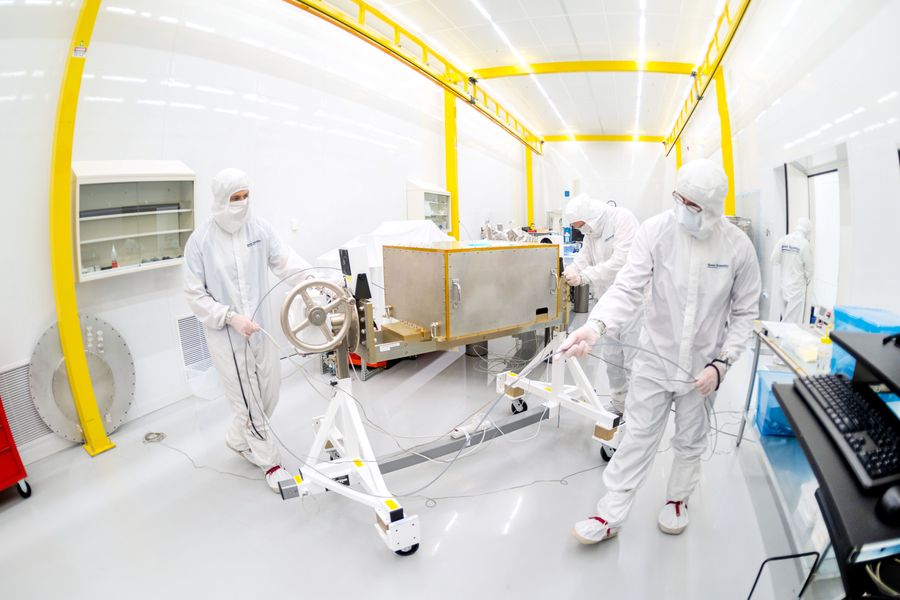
(673, 518)
(276, 474)
(593, 530)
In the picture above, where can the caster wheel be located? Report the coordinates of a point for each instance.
(607, 453)
(24, 489)
(408, 551)
(518, 408)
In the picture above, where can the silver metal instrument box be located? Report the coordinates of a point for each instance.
(456, 291)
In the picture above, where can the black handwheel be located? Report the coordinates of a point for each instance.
(408, 551)
(606, 454)
(518, 408)
(25, 492)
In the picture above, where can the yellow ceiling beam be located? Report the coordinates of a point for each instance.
(586, 66)
(373, 26)
(604, 138)
(726, 26)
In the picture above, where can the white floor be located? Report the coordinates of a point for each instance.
(140, 522)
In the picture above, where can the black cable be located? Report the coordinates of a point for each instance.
(241, 384)
(786, 557)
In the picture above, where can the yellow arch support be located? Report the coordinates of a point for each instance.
(529, 186)
(725, 128)
(62, 258)
(451, 160)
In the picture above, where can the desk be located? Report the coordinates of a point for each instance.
(794, 363)
(856, 534)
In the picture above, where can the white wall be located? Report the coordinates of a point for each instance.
(632, 174)
(804, 78)
(825, 198)
(328, 128)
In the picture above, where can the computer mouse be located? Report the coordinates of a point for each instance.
(888, 507)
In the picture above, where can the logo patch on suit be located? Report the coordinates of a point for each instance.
(253, 243)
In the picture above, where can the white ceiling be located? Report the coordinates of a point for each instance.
(560, 30)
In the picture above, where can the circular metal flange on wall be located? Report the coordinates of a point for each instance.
(111, 368)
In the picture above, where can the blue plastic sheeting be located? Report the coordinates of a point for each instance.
(859, 318)
(770, 418)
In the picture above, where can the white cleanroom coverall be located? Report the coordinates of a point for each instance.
(704, 296)
(608, 233)
(794, 254)
(227, 264)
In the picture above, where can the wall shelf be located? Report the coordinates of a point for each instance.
(134, 235)
(149, 213)
(140, 212)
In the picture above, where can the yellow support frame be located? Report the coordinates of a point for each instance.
(678, 159)
(725, 128)
(451, 160)
(586, 66)
(726, 27)
(373, 26)
(62, 258)
(604, 138)
(529, 187)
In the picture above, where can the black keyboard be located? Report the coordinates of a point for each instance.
(861, 425)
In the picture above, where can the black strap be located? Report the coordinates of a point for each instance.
(718, 375)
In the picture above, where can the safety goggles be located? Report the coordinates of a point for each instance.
(694, 208)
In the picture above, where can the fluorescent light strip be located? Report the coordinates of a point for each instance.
(523, 62)
(198, 27)
(887, 97)
(213, 90)
(642, 61)
(120, 10)
(123, 79)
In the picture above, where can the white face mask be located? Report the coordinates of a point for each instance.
(234, 216)
(691, 221)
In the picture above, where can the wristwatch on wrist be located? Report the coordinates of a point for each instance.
(598, 326)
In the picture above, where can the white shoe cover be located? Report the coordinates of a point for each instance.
(593, 530)
(673, 517)
(276, 474)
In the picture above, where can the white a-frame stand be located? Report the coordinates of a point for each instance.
(342, 438)
(581, 397)
(341, 455)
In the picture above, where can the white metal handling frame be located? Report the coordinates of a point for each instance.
(580, 398)
(341, 435)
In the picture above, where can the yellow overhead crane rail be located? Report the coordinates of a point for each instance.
(726, 27)
(564, 137)
(373, 26)
(586, 66)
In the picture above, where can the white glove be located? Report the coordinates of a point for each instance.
(573, 279)
(243, 325)
(710, 379)
(580, 341)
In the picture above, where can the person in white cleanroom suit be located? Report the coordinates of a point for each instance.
(227, 262)
(704, 296)
(608, 232)
(794, 255)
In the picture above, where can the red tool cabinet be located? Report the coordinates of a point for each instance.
(12, 471)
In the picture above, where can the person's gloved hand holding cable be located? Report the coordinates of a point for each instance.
(582, 340)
